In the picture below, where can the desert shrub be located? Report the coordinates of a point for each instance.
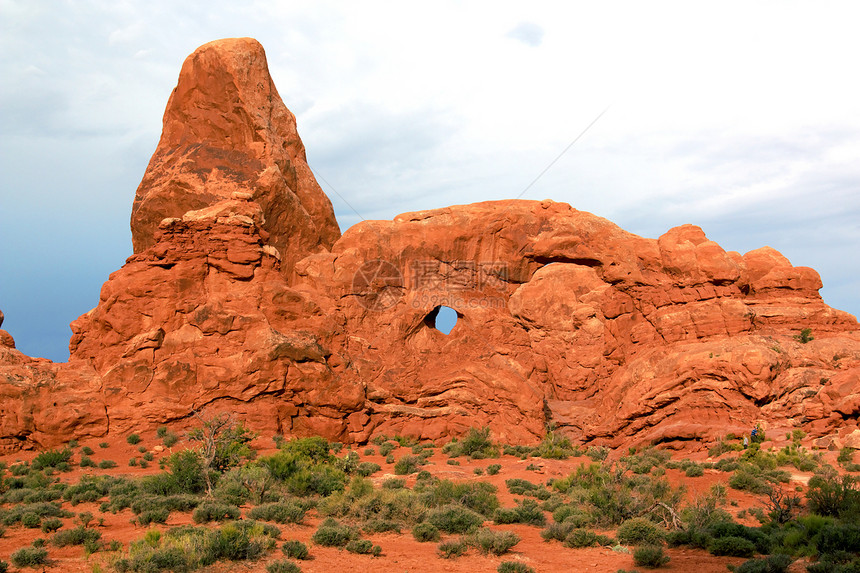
(188, 472)
(159, 515)
(381, 526)
(830, 494)
(514, 567)
(15, 514)
(169, 440)
(555, 447)
(732, 546)
(3, 566)
(394, 483)
(478, 496)
(638, 531)
(839, 537)
(77, 536)
(454, 519)
(51, 525)
(295, 549)
(777, 563)
(283, 567)
(580, 537)
(694, 470)
(597, 453)
(280, 512)
(493, 469)
(367, 468)
(494, 542)
(476, 444)
(332, 534)
(133, 439)
(210, 511)
(29, 557)
(51, 459)
(86, 450)
(87, 462)
(363, 547)
(527, 512)
(425, 532)
(107, 464)
(557, 531)
(749, 477)
(452, 548)
(650, 556)
(31, 520)
(386, 448)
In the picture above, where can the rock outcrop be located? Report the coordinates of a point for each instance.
(241, 296)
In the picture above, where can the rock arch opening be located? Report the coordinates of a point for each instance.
(442, 318)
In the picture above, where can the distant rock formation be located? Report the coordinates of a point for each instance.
(241, 296)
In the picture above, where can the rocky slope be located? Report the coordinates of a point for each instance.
(241, 296)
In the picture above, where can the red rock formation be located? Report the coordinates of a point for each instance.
(227, 130)
(233, 301)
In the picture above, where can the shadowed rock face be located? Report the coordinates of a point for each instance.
(240, 296)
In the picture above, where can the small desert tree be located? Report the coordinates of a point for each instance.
(223, 444)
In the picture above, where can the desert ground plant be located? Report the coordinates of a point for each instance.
(295, 549)
(527, 512)
(51, 459)
(452, 548)
(332, 534)
(777, 563)
(425, 532)
(223, 444)
(454, 519)
(514, 567)
(283, 566)
(476, 444)
(638, 531)
(363, 547)
(133, 439)
(488, 541)
(493, 469)
(279, 512)
(29, 557)
(650, 556)
(211, 511)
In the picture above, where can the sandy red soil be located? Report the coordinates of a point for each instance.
(401, 553)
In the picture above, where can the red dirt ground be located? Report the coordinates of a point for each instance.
(401, 553)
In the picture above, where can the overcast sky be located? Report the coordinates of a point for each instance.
(740, 117)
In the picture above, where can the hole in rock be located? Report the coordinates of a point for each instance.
(442, 318)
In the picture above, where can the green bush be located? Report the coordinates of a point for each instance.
(3, 566)
(777, 563)
(837, 496)
(452, 548)
(406, 465)
(51, 459)
(77, 536)
(365, 469)
(211, 511)
(86, 450)
(29, 557)
(527, 512)
(87, 462)
(159, 515)
(454, 519)
(732, 546)
(283, 567)
(425, 532)
(694, 470)
(332, 534)
(107, 464)
(580, 537)
(169, 440)
(31, 520)
(493, 469)
(476, 444)
(557, 531)
(187, 470)
(280, 512)
(494, 542)
(650, 556)
(363, 547)
(386, 448)
(295, 549)
(478, 496)
(133, 439)
(104, 445)
(514, 567)
(638, 531)
(51, 525)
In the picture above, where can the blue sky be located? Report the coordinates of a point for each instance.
(740, 117)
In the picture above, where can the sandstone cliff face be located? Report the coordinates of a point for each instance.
(240, 296)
